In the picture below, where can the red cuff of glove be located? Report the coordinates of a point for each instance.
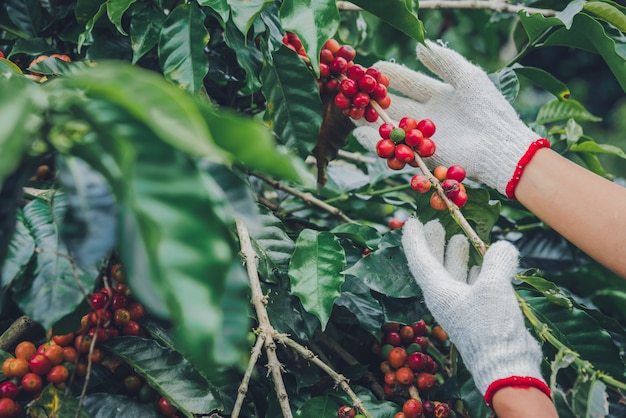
(521, 165)
(516, 381)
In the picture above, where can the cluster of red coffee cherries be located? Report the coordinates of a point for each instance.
(450, 178)
(399, 144)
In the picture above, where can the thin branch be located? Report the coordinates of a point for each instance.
(265, 327)
(494, 5)
(356, 157)
(243, 387)
(339, 379)
(306, 197)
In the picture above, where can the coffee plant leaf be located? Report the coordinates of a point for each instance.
(398, 14)
(105, 405)
(54, 402)
(56, 66)
(181, 47)
(248, 56)
(547, 288)
(590, 146)
(116, 10)
(403, 310)
(473, 401)
(58, 283)
(612, 301)
(85, 9)
(577, 331)
(168, 372)
(506, 81)
(357, 299)
(25, 15)
(313, 21)
(294, 107)
(233, 133)
(386, 271)
(220, 7)
(544, 80)
(535, 24)
(608, 13)
(364, 235)
(89, 224)
(589, 398)
(244, 13)
(287, 314)
(20, 252)
(85, 37)
(315, 272)
(145, 27)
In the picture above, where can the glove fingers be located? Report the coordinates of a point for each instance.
(436, 239)
(457, 256)
(402, 106)
(413, 84)
(447, 64)
(499, 265)
(368, 137)
(473, 275)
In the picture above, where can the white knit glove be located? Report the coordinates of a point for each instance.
(476, 127)
(479, 312)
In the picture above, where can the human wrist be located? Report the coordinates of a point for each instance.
(523, 162)
(517, 382)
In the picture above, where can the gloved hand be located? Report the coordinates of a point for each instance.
(476, 127)
(479, 311)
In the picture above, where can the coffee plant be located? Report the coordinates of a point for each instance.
(189, 228)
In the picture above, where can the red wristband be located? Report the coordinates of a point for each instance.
(523, 162)
(516, 381)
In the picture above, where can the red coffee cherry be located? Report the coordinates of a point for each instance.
(165, 408)
(407, 123)
(8, 389)
(342, 101)
(367, 83)
(385, 129)
(427, 127)
(332, 45)
(397, 356)
(425, 381)
(349, 87)
(421, 184)
(345, 411)
(40, 364)
(414, 137)
(460, 199)
(332, 85)
(385, 102)
(405, 376)
(404, 153)
(440, 172)
(451, 187)
(324, 70)
(355, 72)
(58, 374)
(346, 52)
(417, 361)
(412, 408)
(394, 340)
(421, 328)
(456, 172)
(436, 202)
(99, 300)
(356, 112)
(32, 382)
(385, 148)
(442, 410)
(361, 99)
(326, 56)
(371, 115)
(407, 334)
(395, 164)
(8, 407)
(380, 92)
(426, 148)
(338, 66)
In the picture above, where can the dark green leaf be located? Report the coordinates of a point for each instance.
(104, 405)
(313, 21)
(473, 400)
(21, 250)
(245, 12)
(85, 9)
(294, 107)
(145, 28)
(287, 315)
(551, 291)
(545, 80)
(34, 46)
(506, 81)
(168, 372)
(589, 398)
(356, 298)
(536, 24)
(53, 402)
(58, 284)
(218, 6)
(116, 10)
(557, 110)
(181, 47)
(91, 23)
(397, 13)
(364, 235)
(56, 66)
(315, 272)
(249, 57)
(607, 12)
(26, 15)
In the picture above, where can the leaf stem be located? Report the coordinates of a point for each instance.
(243, 387)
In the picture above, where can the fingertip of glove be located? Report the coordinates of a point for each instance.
(502, 255)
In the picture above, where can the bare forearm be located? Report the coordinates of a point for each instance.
(515, 402)
(585, 208)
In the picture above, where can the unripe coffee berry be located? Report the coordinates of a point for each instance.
(397, 135)
(405, 376)
(385, 148)
(385, 129)
(440, 172)
(385, 102)
(332, 45)
(436, 202)
(427, 127)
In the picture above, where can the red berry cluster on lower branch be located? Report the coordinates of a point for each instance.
(399, 144)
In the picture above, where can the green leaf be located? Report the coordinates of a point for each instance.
(89, 27)
(563, 359)
(357, 299)
(145, 28)
(11, 195)
(19, 118)
(167, 372)
(58, 284)
(104, 405)
(535, 24)
(116, 10)
(54, 402)
(89, 225)
(294, 107)
(315, 272)
(176, 120)
(551, 291)
(245, 12)
(557, 110)
(218, 6)
(233, 132)
(573, 132)
(181, 47)
(506, 81)
(56, 66)
(287, 314)
(589, 398)
(594, 147)
(85, 9)
(397, 13)
(385, 271)
(607, 12)
(313, 21)
(21, 250)
(34, 46)
(364, 235)
(26, 15)
(328, 404)
(545, 80)
(473, 400)
(249, 57)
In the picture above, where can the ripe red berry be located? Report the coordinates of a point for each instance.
(397, 356)
(427, 127)
(361, 99)
(367, 83)
(101, 317)
(132, 328)
(385, 148)
(324, 70)
(332, 44)
(390, 378)
(405, 376)
(413, 137)
(451, 187)
(165, 408)
(385, 102)
(1, 54)
(342, 101)
(99, 300)
(417, 361)
(40, 364)
(356, 112)
(380, 92)
(425, 381)
(99, 334)
(8, 408)
(8, 389)
(338, 65)
(393, 338)
(460, 199)
(407, 123)
(355, 72)
(32, 382)
(332, 85)
(421, 184)
(119, 301)
(395, 164)
(383, 79)
(412, 408)
(326, 56)
(371, 115)
(385, 129)
(399, 415)
(345, 411)
(429, 408)
(423, 342)
(404, 153)
(426, 148)
(456, 172)
(349, 87)
(346, 52)
(58, 374)
(420, 328)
